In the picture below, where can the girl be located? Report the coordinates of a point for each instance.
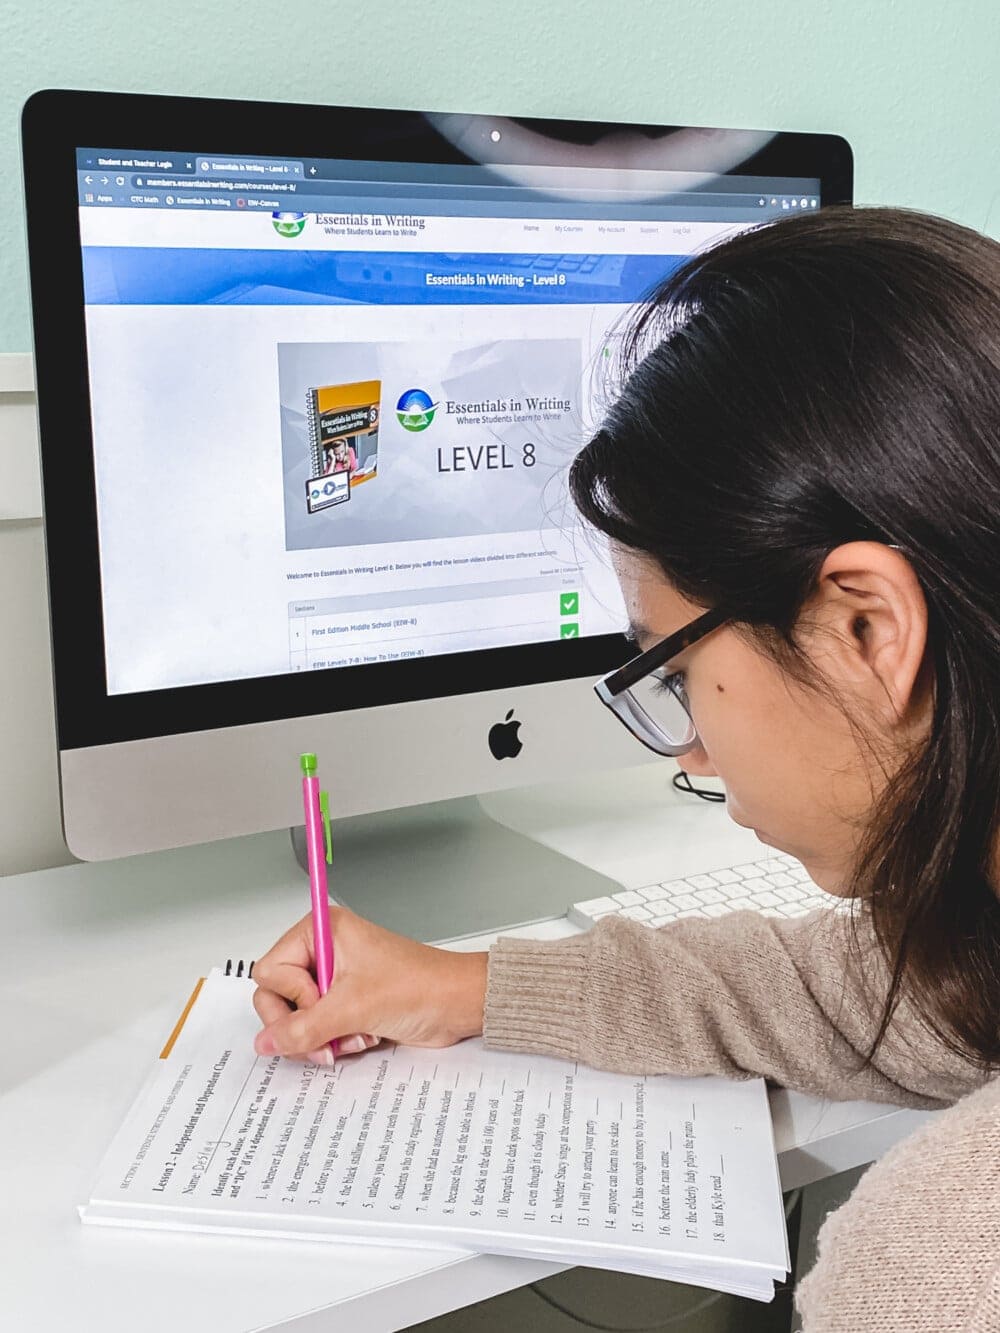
(801, 484)
(341, 458)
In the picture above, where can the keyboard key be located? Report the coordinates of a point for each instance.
(757, 885)
(738, 904)
(716, 909)
(638, 913)
(628, 898)
(654, 894)
(748, 871)
(685, 902)
(767, 900)
(595, 907)
(672, 886)
(707, 896)
(781, 880)
(790, 895)
(725, 876)
(586, 919)
(701, 881)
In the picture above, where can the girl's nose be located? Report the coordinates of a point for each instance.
(697, 763)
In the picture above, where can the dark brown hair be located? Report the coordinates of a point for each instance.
(833, 378)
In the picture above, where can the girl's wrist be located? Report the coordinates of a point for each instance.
(467, 994)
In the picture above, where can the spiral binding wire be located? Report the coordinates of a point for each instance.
(312, 423)
(239, 968)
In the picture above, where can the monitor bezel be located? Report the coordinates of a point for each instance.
(55, 123)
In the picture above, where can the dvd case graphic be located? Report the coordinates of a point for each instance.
(343, 421)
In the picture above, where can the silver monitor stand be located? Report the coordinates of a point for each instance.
(449, 869)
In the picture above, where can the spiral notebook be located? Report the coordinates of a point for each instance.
(344, 418)
(480, 1150)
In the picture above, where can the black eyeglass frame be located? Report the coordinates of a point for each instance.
(613, 689)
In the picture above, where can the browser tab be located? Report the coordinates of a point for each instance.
(267, 168)
(116, 161)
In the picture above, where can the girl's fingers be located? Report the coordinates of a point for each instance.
(354, 1045)
(291, 980)
(270, 1007)
(324, 1056)
(361, 1041)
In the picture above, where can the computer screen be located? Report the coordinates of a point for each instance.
(310, 381)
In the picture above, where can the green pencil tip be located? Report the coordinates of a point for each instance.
(308, 765)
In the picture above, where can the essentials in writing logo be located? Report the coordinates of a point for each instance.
(288, 224)
(415, 411)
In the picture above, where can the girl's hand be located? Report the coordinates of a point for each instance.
(384, 985)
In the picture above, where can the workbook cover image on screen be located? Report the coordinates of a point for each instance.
(473, 438)
(342, 438)
(463, 1148)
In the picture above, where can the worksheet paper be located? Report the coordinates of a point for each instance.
(481, 1150)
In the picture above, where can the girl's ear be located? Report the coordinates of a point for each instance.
(866, 626)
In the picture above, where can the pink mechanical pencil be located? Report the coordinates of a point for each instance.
(319, 852)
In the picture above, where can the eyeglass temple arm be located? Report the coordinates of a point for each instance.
(626, 676)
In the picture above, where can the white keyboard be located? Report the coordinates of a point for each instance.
(776, 886)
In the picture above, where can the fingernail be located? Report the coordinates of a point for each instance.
(324, 1056)
(263, 1043)
(351, 1045)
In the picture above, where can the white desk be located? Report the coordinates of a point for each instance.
(93, 962)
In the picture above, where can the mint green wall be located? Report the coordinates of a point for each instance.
(913, 84)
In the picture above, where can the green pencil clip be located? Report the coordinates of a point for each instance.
(324, 809)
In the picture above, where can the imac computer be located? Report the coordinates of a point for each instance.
(309, 383)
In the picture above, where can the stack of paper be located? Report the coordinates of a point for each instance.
(521, 1155)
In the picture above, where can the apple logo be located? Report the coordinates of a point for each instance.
(503, 739)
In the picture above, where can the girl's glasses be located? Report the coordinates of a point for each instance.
(651, 700)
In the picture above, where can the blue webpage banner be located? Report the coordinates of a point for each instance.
(138, 275)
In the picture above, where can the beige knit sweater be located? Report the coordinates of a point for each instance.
(917, 1246)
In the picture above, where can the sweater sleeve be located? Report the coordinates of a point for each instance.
(797, 1002)
(915, 1248)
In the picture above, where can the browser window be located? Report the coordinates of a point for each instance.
(332, 426)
